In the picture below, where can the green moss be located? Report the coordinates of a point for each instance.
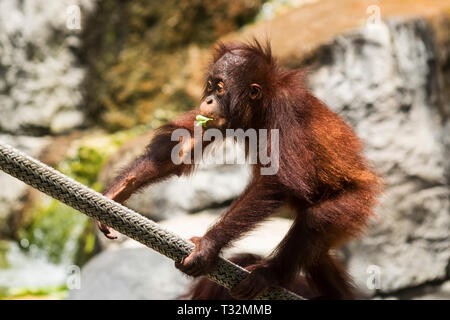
(91, 154)
(85, 166)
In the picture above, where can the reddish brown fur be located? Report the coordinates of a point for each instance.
(322, 175)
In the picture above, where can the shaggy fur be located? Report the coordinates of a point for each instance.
(322, 174)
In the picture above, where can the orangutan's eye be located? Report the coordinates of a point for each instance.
(220, 89)
(209, 86)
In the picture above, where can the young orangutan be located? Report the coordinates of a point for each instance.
(322, 173)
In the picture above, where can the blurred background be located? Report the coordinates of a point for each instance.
(84, 82)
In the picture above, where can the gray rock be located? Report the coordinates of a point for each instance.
(40, 76)
(14, 192)
(130, 273)
(441, 292)
(65, 120)
(431, 291)
(384, 80)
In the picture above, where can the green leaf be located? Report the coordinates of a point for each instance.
(201, 120)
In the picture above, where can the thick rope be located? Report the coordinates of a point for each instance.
(113, 214)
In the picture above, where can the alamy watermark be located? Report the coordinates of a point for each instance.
(73, 281)
(374, 277)
(189, 149)
(375, 15)
(73, 21)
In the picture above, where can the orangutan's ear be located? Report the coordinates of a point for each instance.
(255, 91)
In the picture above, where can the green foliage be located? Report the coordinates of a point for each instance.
(201, 120)
(91, 154)
(57, 229)
(85, 165)
(57, 292)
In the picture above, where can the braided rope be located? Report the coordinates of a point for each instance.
(123, 219)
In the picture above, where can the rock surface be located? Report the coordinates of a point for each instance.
(40, 76)
(384, 79)
(133, 273)
(440, 292)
